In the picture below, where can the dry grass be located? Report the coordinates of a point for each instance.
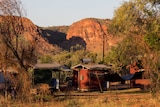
(96, 102)
(106, 99)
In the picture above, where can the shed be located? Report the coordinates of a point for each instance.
(50, 73)
(88, 77)
(44, 72)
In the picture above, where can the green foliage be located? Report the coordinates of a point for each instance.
(124, 53)
(138, 22)
(69, 58)
(62, 58)
(76, 47)
(77, 56)
(93, 56)
(136, 14)
(124, 17)
(153, 40)
(46, 59)
(139, 19)
(73, 57)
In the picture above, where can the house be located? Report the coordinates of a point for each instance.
(89, 76)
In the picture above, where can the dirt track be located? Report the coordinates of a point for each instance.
(122, 94)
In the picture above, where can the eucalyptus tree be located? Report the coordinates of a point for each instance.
(15, 50)
(139, 21)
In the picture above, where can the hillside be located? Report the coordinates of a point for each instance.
(91, 33)
(55, 34)
(31, 32)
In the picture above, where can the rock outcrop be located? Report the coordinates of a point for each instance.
(30, 32)
(92, 34)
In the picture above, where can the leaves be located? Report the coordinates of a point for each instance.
(125, 17)
(138, 22)
(153, 40)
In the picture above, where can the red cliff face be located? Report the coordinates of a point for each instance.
(90, 33)
(30, 32)
(94, 33)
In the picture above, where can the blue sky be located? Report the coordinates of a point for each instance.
(65, 12)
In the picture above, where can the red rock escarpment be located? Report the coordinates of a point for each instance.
(94, 34)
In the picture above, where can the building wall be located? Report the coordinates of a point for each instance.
(86, 80)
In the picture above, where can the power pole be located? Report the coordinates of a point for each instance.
(103, 47)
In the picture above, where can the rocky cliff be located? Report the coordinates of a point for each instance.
(92, 34)
(55, 34)
(30, 32)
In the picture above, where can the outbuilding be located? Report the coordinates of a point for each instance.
(90, 76)
(53, 74)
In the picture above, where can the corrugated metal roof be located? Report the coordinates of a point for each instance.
(92, 66)
(47, 66)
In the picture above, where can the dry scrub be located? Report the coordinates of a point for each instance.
(104, 100)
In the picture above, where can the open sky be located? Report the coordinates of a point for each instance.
(46, 13)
